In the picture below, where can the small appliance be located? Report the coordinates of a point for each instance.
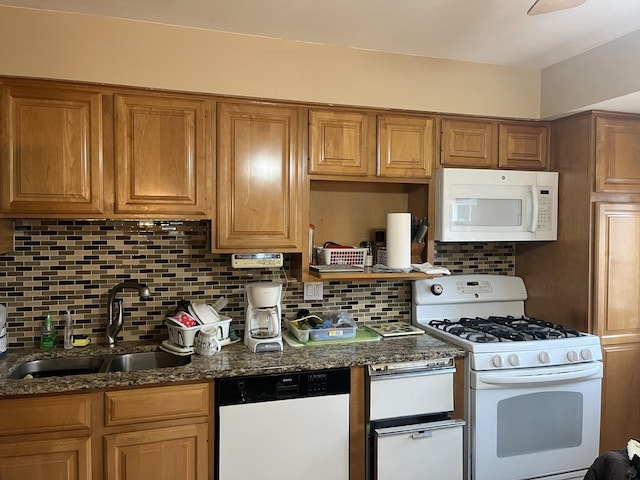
(263, 311)
(482, 205)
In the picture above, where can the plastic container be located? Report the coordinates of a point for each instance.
(186, 336)
(219, 329)
(182, 336)
(319, 334)
(68, 331)
(342, 256)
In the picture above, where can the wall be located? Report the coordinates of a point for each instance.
(67, 264)
(36, 43)
(607, 72)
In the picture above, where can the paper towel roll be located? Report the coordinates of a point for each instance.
(399, 240)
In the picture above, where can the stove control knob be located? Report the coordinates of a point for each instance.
(437, 289)
(496, 361)
(586, 354)
(544, 357)
(514, 360)
(572, 356)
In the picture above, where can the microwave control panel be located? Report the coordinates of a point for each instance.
(545, 209)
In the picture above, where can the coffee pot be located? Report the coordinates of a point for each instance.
(263, 311)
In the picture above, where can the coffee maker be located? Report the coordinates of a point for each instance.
(263, 310)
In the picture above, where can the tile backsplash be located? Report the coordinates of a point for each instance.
(60, 265)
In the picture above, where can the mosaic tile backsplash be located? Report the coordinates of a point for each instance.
(60, 265)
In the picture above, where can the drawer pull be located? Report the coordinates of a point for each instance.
(423, 434)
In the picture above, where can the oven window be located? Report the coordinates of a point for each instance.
(537, 422)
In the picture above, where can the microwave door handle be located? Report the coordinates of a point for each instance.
(534, 208)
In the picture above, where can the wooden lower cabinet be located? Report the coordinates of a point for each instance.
(46, 438)
(53, 459)
(620, 391)
(159, 432)
(166, 453)
(617, 319)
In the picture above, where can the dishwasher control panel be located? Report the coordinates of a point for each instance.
(282, 386)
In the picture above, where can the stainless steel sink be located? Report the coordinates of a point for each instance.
(130, 362)
(127, 362)
(57, 367)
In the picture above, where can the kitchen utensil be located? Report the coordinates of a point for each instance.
(205, 313)
(206, 342)
(220, 303)
(421, 231)
(3, 330)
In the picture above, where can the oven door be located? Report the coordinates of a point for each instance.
(535, 422)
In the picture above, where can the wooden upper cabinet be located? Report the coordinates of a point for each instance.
(524, 146)
(51, 157)
(406, 146)
(341, 143)
(469, 143)
(259, 178)
(617, 154)
(162, 155)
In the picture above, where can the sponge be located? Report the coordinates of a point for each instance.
(81, 341)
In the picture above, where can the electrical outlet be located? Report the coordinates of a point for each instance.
(313, 291)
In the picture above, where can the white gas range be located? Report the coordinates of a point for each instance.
(532, 387)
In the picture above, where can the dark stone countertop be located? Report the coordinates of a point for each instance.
(234, 360)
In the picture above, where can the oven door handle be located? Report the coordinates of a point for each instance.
(539, 376)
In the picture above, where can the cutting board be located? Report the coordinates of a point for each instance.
(363, 334)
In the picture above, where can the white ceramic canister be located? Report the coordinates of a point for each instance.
(3, 330)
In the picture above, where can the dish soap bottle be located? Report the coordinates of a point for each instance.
(48, 334)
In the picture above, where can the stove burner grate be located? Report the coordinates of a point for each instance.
(500, 329)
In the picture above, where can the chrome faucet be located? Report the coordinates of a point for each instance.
(114, 308)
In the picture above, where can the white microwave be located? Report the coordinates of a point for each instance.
(474, 205)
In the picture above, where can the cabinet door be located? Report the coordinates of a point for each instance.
(469, 143)
(259, 178)
(406, 146)
(620, 391)
(617, 154)
(524, 146)
(617, 270)
(163, 454)
(162, 156)
(56, 459)
(341, 143)
(51, 160)
(617, 319)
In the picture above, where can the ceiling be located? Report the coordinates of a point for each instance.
(486, 31)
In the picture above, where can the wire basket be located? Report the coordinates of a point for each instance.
(342, 256)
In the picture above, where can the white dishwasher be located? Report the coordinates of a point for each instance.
(283, 426)
(411, 434)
